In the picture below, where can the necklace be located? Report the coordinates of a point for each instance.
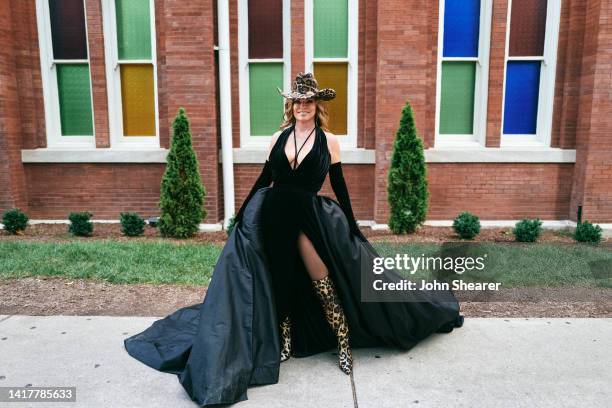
(297, 152)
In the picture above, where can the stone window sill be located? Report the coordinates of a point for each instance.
(439, 155)
(93, 156)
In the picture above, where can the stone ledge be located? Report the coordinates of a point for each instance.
(93, 156)
(258, 156)
(438, 155)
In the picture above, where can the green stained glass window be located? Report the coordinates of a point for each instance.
(330, 28)
(266, 105)
(74, 99)
(457, 98)
(133, 29)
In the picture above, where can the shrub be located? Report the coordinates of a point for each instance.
(587, 232)
(131, 224)
(231, 224)
(466, 225)
(527, 230)
(182, 193)
(15, 221)
(407, 179)
(80, 224)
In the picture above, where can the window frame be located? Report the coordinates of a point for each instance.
(50, 90)
(113, 77)
(349, 140)
(246, 139)
(481, 82)
(546, 92)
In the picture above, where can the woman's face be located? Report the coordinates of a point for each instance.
(304, 109)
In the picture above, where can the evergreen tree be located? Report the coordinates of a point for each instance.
(182, 193)
(407, 180)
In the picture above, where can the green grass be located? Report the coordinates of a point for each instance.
(161, 262)
(116, 262)
(516, 265)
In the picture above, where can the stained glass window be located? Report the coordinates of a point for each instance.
(136, 65)
(330, 28)
(266, 109)
(69, 43)
(457, 97)
(523, 67)
(527, 28)
(68, 29)
(334, 75)
(458, 77)
(461, 28)
(331, 61)
(265, 29)
(265, 66)
(133, 29)
(138, 100)
(74, 99)
(521, 102)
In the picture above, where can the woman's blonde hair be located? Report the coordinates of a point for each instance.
(321, 115)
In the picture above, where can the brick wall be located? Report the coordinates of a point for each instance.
(404, 65)
(592, 187)
(186, 78)
(496, 73)
(12, 182)
(28, 76)
(190, 82)
(568, 77)
(104, 189)
(406, 71)
(397, 61)
(499, 191)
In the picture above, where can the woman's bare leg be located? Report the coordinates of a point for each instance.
(313, 262)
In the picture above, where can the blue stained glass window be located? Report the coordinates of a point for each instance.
(521, 99)
(461, 28)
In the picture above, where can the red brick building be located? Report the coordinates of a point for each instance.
(512, 99)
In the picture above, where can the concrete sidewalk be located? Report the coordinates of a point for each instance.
(486, 363)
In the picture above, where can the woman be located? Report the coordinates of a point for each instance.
(288, 281)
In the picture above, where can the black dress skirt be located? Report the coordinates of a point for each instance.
(230, 341)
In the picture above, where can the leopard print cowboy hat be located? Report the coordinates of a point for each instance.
(305, 86)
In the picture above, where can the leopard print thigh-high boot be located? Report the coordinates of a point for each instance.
(285, 329)
(336, 319)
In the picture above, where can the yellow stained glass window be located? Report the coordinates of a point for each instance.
(138, 99)
(334, 75)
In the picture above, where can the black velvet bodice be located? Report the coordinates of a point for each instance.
(311, 171)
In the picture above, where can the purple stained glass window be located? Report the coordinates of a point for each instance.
(68, 29)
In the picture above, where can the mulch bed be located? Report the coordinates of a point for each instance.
(55, 296)
(59, 233)
(425, 234)
(58, 295)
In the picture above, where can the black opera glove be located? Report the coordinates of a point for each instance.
(264, 180)
(338, 184)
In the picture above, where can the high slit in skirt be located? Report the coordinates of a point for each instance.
(230, 341)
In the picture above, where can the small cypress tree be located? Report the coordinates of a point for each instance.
(407, 180)
(182, 193)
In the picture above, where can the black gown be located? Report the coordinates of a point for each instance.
(230, 341)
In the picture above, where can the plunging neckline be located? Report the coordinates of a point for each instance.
(304, 158)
